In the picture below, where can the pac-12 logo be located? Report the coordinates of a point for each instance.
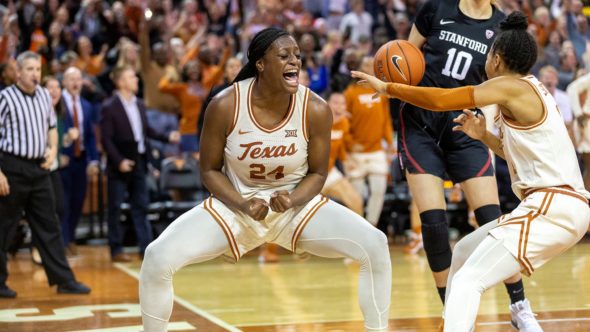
(394, 60)
(489, 34)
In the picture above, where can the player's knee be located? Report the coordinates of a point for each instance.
(377, 247)
(435, 235)
(155, 263)
(487, 213)
(380, 241)
(371, 248)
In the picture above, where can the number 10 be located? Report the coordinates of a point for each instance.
(457, 72)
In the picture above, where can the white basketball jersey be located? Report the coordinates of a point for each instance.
(540, 155)
(259, 161)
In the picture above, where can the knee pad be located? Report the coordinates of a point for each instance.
(487, 213)
(435, 234)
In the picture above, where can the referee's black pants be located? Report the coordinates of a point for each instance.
(31, 191)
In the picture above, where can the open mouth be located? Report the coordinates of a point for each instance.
(292, 77)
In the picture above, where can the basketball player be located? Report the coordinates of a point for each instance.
(553, 214)
(578, 96)
(337, 186)
(455, 36)
(264, 158)
(370, 125)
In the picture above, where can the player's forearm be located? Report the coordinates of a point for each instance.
(434, 99)
(221, 188)
(308, 188)
(494, 143)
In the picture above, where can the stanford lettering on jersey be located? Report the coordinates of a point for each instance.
(275, 151)
(463, 41)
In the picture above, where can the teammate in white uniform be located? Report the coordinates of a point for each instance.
(554, 212)
(578, 96)
(264, 158)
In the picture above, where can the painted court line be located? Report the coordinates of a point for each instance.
(174, 326)
(300, 320)
(554, 320)
(186, 304)
(221, 310)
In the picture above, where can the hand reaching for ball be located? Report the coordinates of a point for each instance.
(397, 61)
(372, 81)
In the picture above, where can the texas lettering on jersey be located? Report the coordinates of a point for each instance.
(255, 151)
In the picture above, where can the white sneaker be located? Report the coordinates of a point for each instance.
(523, 318)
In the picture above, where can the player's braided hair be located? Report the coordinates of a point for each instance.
(516, 46)
(261, 42)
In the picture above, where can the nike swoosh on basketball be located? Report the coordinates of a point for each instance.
(443, 22)
(395, 59)
(242, 132)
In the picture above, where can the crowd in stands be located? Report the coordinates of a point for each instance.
(185, 51)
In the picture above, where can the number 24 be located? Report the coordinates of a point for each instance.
(257, 172)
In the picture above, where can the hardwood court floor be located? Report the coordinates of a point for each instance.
(315, 295)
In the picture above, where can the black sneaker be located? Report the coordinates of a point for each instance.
(73, 287)
(7, 292)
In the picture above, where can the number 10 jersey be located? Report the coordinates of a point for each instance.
(259, 161)
(456, 45)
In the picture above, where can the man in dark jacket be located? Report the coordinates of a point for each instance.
(124, 131)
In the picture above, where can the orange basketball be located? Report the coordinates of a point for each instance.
(399, 61)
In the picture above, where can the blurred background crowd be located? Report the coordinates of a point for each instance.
(185, 51)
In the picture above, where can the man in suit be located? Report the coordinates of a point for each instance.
(125, 131)
(81, 156)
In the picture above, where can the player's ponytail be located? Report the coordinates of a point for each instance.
(514, 21)
(261, 42)
(515, 45)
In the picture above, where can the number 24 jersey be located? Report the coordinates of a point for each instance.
(259, 161)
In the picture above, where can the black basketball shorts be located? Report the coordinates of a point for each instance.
(428, 145)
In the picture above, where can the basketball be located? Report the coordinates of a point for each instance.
(399, 61)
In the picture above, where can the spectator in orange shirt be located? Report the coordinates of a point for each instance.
(207, 59)
(337, 186)
(88, 63)
(38, 38)
(190, 93)
(370, 126)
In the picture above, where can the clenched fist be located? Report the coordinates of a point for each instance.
(256, 208)
(280, 201)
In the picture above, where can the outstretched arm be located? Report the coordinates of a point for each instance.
(494, 91)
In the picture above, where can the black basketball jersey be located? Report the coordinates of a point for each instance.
(456, 45)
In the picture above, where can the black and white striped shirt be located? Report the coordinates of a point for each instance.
(25, 120)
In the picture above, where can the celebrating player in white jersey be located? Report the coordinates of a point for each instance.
(264, 158)
(554, 212)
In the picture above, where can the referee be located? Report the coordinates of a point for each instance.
(28, 146)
